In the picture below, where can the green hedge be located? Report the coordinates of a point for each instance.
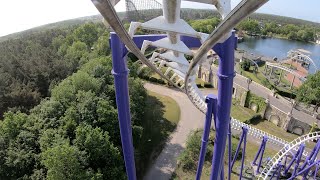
(260, 102)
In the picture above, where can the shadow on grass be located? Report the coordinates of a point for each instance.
(156, 131)
(257, 121)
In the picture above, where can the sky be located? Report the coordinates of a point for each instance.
(19, 15)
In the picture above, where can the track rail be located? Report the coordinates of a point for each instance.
(286, 150)
(307, 58)
(279, 66)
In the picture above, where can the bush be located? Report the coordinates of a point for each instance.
(251, 98)
(188, 159)
(161, 81)
(245, 65)
(267, 84)
(314, 128)
(286, 94)
(153, 79)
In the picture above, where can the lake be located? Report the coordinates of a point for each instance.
(273, 47)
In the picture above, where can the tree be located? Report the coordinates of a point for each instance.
(75, 54)
(18, 147)
(102, 156)
(309, 91)
(87, 33)
(64, 162)
(249, 25)
(245, 65)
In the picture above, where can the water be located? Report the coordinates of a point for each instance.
(273, 47)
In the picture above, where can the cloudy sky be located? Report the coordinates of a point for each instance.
(19, 15)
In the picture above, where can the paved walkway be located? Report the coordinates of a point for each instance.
(190, 119)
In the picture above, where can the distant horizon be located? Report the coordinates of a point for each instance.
(124, 11)
(36, 12)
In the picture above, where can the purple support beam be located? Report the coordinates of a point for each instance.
(315, 172)
(225, 83)
(306, 170)
(285, 160)
(120, 72)
(312, 156)
(211, 101)
(242, 138)
(245, 131)
(222, 174)
(260, 153)
(296, 159)
(277, 171)
(229, 152)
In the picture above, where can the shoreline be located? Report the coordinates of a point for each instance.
(277, 37)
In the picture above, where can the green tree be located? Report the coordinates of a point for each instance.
(309, 91)
(76, 54)
(87, 33)
(245, 65)
(250, 25)
(64, 162)
(102, 156)
(18, 147)
(102, 47)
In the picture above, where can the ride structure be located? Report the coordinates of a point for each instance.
(181, 73)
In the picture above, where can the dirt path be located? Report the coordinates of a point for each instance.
(190, 119)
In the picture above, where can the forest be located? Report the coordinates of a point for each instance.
(58, 111)
(290, 31)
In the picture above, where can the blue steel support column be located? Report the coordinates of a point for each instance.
(225, 82)
(312, 156)
(296, 159)
(245, 131)
(120, 72)
(304, 171)
(243, 136)
(277, 171)
(315, 172)
(260, 153)
(229, 152)
(211, 101)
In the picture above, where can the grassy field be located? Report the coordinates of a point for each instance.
(271, 128)
(251, 150)
(161, 119)
(171, 108)
(241, 113)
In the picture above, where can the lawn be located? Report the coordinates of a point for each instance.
(251, 150)
(258, 77)
(241, 113)
(161, 118)
(271, 128)
(171, 108)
